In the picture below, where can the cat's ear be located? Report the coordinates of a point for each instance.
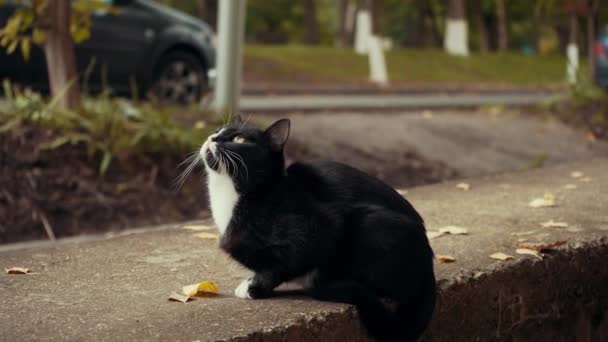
(278, 133)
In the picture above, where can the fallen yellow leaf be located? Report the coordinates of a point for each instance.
(445, 259)
(197, 227)
(178, 297)
(553, 224)
(547, 201)
(205, 235)
(17, 270)
(541, 246)
(576, 174)
(454, 230)
(204, 288)
(463, 186)
(529, 252)
(501, 256)
(432, 235)
(190, 290)
(209, 287)
(529, 232)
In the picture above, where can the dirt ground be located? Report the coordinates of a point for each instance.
(63, 189)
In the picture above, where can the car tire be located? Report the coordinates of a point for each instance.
(179, 78)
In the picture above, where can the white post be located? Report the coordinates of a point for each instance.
(231, 29)
(456, 40)
(377, 64)
(572, 68)
(363, 32)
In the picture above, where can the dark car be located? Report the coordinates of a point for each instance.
(147, 45)
(601, 58)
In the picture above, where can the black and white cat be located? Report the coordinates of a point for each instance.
(346, 236)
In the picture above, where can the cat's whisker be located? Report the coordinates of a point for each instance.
(240, 160)
(181, 179)
(245, 122)
(233, 164)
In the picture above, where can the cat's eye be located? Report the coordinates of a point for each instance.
(239, 139)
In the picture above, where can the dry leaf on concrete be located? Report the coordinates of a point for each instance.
(501, 256)
(529, 232)
(570, 186)
(445, 259)
(17, 270)
(553, 224)
(541, 246)
(463, 186)
(205, 235)
(197, 227)
(576, 174)
(454, 230)
(529, 252)
(179, 298)
(205, 288)
(432, 235)
(548, 200)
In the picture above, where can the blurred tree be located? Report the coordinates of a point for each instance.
(375, 9)
(480, 24)
(342, 37)
(55, 25)
(592, 10)
(60, 56)
(502, 25)
(279, 21)
(427, 32)
(312, 30)
(456, 32)
(207, 11)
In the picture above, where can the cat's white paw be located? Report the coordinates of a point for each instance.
(242, 291)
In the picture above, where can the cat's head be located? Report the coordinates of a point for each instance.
(250, 156)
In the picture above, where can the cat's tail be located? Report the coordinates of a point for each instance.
(404, 324)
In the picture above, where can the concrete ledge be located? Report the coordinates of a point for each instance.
(116, 289)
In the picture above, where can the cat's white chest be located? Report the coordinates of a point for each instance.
(222, 198)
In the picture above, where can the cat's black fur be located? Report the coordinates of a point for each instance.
(361, 239)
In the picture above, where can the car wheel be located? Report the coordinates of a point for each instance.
(180, 78)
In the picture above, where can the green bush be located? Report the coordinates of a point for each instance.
(108, 126)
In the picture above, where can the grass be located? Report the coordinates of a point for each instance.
(297, 63)
(108, 126)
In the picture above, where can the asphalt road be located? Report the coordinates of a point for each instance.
(285, 103)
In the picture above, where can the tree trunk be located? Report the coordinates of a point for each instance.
(456, 35)
(537, 22)
(503, 32)
(207, 12)
(591, 16)
(375, 8)
(60, 56)
(572, 50)
(342, 31)
(482, 29)
(312, 32)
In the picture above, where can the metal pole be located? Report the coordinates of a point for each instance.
(231, 29)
